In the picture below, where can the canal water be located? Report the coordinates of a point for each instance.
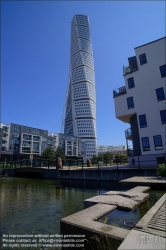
(37, 206)
(34, 206)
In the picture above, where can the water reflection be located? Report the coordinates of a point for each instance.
(36, 206)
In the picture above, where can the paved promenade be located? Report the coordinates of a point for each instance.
(146, 180)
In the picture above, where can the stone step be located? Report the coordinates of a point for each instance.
(139, 189)
(121, 202)
(138, 197)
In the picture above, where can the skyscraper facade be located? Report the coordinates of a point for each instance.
(80, 106)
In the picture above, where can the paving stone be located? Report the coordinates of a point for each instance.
(137, 240)
(121, 202)
(139, 189)
(150, 180)
(139, 197)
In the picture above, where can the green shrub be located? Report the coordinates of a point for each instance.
(161, 171)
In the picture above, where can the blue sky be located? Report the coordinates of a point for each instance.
(35, 54)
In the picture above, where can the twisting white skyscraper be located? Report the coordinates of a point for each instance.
(80, 106)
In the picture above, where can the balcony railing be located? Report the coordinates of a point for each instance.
(119, 91)
(128, 70)
(130, 152)
(36, 138)
(28, 138)
(128, 133)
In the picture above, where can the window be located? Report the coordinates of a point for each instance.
(35, 131)
(145, 144)
(160, 94)
(142, 59)
(142, 121)
(44, 139)
(163, 70)
(15, 127)
(163, 116)
(158, 142)
(130, 102)
(27, 130)
(131, 82)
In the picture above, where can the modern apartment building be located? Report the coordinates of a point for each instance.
(18, 142)
(80, 106)
(141, 103)
(71, 145)
(112, 149)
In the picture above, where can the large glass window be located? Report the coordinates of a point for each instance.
(131, 82)
(163, 70)
(142, 59)
(130, 102)
(142, 121)
(27, 130)
(163, 116)
(160, 94)
(158, 142)
(35, 131)
(145, 144)
(14, 141)
(15, 127)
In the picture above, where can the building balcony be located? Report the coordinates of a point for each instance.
(128, 70)
(5, 128)
(119, 91)
(28, 138)
(35, 138)
(130, 152)
(35, 151)
(128, 134)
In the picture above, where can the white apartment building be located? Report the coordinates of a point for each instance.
(141, 103)
(111, 149)
(19, 141)
(80, 106)
(71, 145)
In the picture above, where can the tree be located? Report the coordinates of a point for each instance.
(107, 157)
(100, 157)
(94, 159)
(60, 153)
(48, 154)
(121, 158)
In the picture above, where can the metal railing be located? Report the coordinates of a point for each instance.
(128, 70)
(119, 91)
(128, 133)
(117, 162)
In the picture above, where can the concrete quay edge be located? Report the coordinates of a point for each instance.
(86, 219)
(149, 215)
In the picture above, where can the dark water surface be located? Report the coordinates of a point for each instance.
(34, 206)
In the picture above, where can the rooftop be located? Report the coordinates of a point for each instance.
(150, 42)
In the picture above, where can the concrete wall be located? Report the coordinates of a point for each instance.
(105, 175)
(98, 175)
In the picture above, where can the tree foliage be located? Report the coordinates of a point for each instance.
(109, 158)
(48, 154)
(60, 153)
